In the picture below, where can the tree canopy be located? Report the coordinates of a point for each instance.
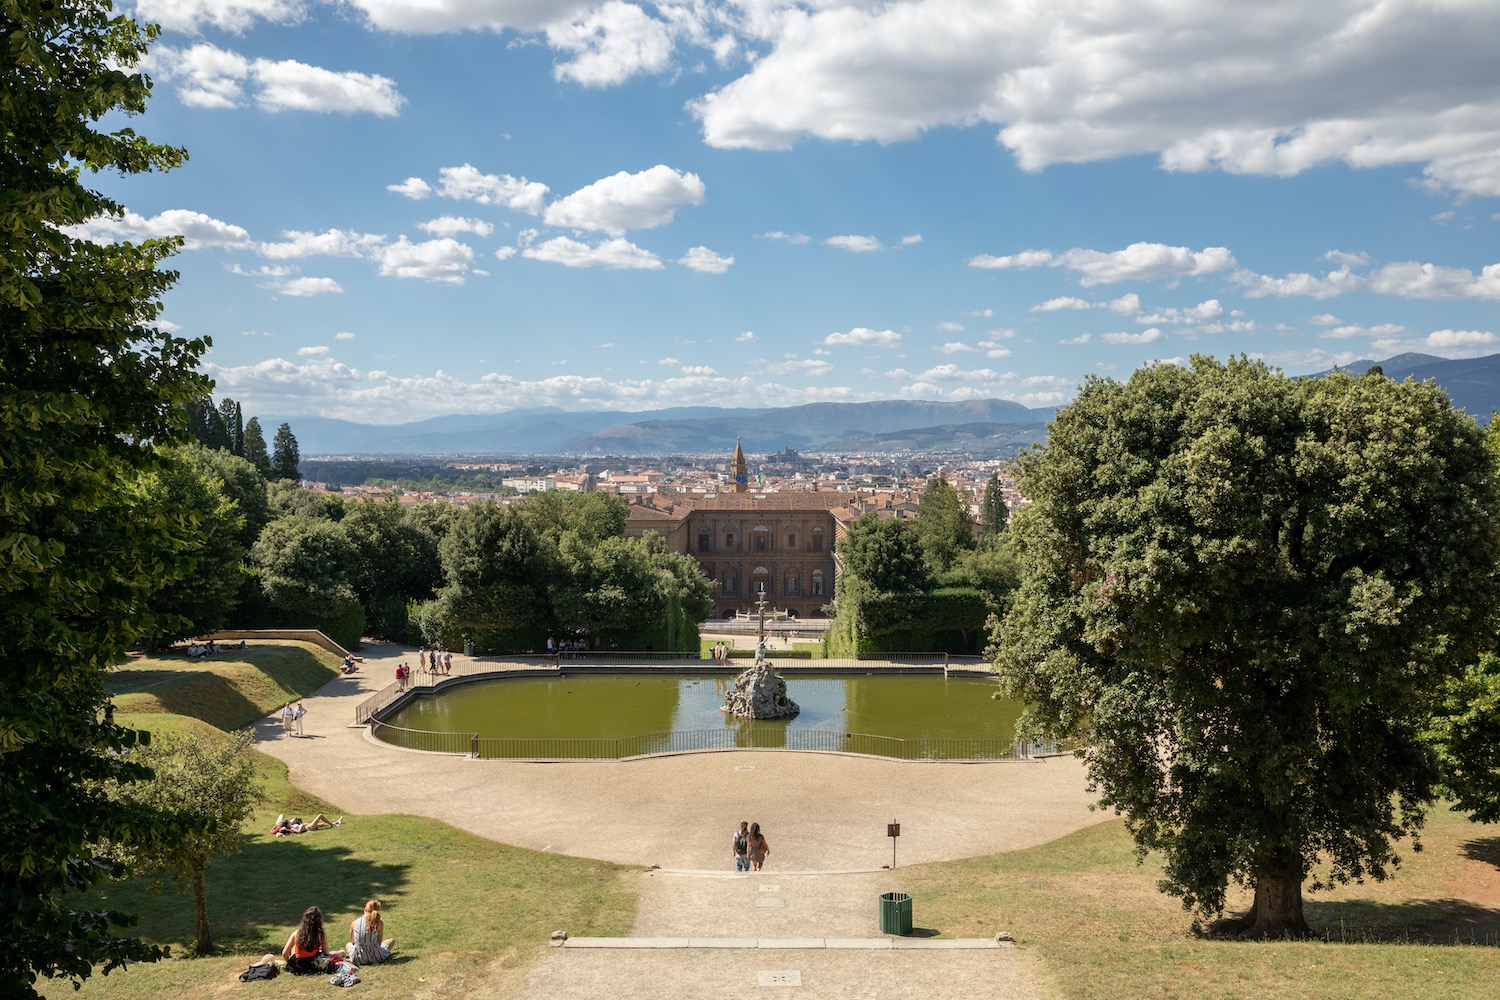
(1241, 593)
(286, 457)
(90, 385)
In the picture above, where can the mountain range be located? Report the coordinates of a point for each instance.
(982, 427)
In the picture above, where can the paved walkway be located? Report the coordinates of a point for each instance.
(824, 815)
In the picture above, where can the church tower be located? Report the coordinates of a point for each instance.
(739, 472)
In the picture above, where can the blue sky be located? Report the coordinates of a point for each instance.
(397, 209)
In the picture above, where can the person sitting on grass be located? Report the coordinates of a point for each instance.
(367, 942)
(306, 951)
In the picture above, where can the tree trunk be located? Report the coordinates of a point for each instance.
(204, 944)
(1277, 910)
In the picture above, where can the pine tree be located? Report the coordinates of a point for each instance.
(255, 448)
(995, 514)
(285, 458)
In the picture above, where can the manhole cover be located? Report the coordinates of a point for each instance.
(788, 977)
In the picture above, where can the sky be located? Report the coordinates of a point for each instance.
(400, 209)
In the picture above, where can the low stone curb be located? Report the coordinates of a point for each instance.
(790, 944)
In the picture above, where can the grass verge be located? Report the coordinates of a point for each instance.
(1100, 928)
(233, 689)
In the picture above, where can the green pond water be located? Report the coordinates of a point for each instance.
(610, 706)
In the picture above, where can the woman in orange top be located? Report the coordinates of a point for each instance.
(306, 951)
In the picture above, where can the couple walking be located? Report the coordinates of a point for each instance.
(750, 848)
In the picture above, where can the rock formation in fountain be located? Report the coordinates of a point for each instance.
(759, 694)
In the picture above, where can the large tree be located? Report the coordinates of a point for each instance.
(255, 448)
(943, 525)
(1241, 593)
(89, 385)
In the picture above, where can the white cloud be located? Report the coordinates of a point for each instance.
(1149, 336)
(442, 260)
(616, 253)
(1082, 338)
(1063, 302)
(627, 201)
(1203, 86)
(345, 335)
(950, 327)
(425, 17)
(211, 77)
(956, 347)
(1384, 331)
(505, 253)
(453, 225)
(610, 44)
(304, 287)
(1331, 284)
(332, 243)
(1137, 262)
(698, 370)
(1125, 304)
(811, 367)
(1411, 280)
(953, 373)
(669, 362)
(794, 238)
(748, 337)
(196, 229)
(1445, 343)
(414, 188)
(854, 244)
(191, 16)
(1202, 312)
(468, 183)
(912, 240)
(315, 352)
(863, 337)
(705, 260)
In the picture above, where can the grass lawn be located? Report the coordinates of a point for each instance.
(1101, 929)
(230, 690)
(469, 915)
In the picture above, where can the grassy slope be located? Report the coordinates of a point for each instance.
(464, 911)
(1102, 930)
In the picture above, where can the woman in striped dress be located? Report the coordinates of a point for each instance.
(367, 942)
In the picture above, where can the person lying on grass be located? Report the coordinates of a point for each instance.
(285, 826)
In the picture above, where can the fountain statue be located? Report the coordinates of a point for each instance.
(758, 693)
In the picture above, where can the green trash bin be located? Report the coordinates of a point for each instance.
(468, 648)
(895, 913)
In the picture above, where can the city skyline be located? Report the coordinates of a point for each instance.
(398, 209)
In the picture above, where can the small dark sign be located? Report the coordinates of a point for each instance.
(893, 829)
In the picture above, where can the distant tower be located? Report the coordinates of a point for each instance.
(739, 473)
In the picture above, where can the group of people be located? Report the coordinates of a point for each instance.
(750, 848)
(720, 652)
(307, 952)
(291, 719)
(200, 649)
(285, 827)
(555, 646)
(437, 662)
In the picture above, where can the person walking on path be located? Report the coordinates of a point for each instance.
(741, 847)
(297, 714)
(757, 848)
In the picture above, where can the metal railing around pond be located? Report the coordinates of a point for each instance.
(705, 740)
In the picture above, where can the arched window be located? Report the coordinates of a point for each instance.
(817, 583)
(762, 541)
(703, 540)
(791, 585)
(761, 580)
(791, 540)
(817, 540)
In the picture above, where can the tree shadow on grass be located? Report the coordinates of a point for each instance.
(1417, 921)
(1483, 849)
(256, 898)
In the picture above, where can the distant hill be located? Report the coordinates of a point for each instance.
(883, 424)
(1472, 383)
